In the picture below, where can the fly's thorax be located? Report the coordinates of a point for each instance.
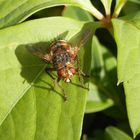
(60, 59)
(60, 45)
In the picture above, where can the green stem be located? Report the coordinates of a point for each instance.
(118, 7)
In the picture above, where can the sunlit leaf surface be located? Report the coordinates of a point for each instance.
(30, 106)
(127, 36)
(15, 11)
(113, 133)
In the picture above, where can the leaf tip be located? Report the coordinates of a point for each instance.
(135, 133)
(118, 83)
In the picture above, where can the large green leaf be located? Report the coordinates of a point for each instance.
(103, 79)
(42, 113)
(21, 122)
(113, 133)
(15, 11)
(135, 1)
(131, 7)
(77, 13)
(97, 99)
(127, 36)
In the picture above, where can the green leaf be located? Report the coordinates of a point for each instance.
(127, 36)
(77, 13)
(21, 122)
(97, 100)
(131, 7)
(113, 133)
(119, 5)
(133, 18)
(103, 90)
(107, 6)
(87, 5)
(11, 14)
(135, 1)
(42, 113)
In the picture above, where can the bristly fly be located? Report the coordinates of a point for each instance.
(63, 56)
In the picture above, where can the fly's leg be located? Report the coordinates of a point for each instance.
(56, 81)
(62, 89)
(49, 70)
(80, 73)
(83, 74)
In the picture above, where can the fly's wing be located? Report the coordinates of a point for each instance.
(82, 37)
(39, 52)
(36, 51)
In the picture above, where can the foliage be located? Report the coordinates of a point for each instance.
(31, 103)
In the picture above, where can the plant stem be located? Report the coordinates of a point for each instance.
(87, 5)
(95, 13)
(118, 8)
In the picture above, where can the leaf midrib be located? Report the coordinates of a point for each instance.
(22, 93)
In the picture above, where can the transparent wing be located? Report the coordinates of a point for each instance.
(82, 37)
(37, 51)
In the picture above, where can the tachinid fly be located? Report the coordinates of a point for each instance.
(63, 56)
